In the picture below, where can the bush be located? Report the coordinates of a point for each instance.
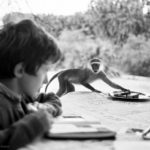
(76, 48)
(135, 56)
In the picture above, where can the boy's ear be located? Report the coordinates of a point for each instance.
(19, 70)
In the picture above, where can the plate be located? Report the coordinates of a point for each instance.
(129, 96)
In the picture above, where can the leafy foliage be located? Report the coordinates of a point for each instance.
(135, 56)
(116, 31)
(117, 19)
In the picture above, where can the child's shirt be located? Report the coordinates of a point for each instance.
(18, 126)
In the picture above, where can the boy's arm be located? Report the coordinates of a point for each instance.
(52, 103)
(25, 130)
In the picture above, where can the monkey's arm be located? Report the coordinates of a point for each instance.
(110, 83)
(90, 87)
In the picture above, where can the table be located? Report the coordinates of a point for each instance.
(117, 115)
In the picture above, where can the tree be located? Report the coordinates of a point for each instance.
(117, 19)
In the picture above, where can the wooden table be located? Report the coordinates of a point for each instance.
(117, 115)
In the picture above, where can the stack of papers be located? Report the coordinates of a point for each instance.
(77, 127)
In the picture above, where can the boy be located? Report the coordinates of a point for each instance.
(26, 54)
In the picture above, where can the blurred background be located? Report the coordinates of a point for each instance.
(118, 31)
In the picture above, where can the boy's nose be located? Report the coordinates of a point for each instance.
(45, 80)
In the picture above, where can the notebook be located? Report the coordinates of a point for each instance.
(77, 127)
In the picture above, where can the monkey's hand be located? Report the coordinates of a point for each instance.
(125, 90)
(97, 91)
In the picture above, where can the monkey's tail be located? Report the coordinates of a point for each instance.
(53, 77)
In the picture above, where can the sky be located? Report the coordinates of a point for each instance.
(56, 7)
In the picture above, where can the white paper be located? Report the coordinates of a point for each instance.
(71, 128)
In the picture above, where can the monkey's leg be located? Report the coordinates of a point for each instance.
(90, 87)
(70, 87)
(62, 87)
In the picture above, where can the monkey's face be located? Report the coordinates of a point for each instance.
(95, 67)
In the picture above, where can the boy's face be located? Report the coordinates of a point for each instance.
(31, 84)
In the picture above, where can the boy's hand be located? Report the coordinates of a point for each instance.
(49, 118)
(31, 107)
(48, 107)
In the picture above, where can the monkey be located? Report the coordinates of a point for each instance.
(82, 76)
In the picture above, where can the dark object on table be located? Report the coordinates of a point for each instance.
(128, 96)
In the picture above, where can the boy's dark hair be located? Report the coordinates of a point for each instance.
(25, 43)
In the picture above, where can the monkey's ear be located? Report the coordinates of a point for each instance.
(19, 70)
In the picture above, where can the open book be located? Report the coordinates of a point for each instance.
(76, 127)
